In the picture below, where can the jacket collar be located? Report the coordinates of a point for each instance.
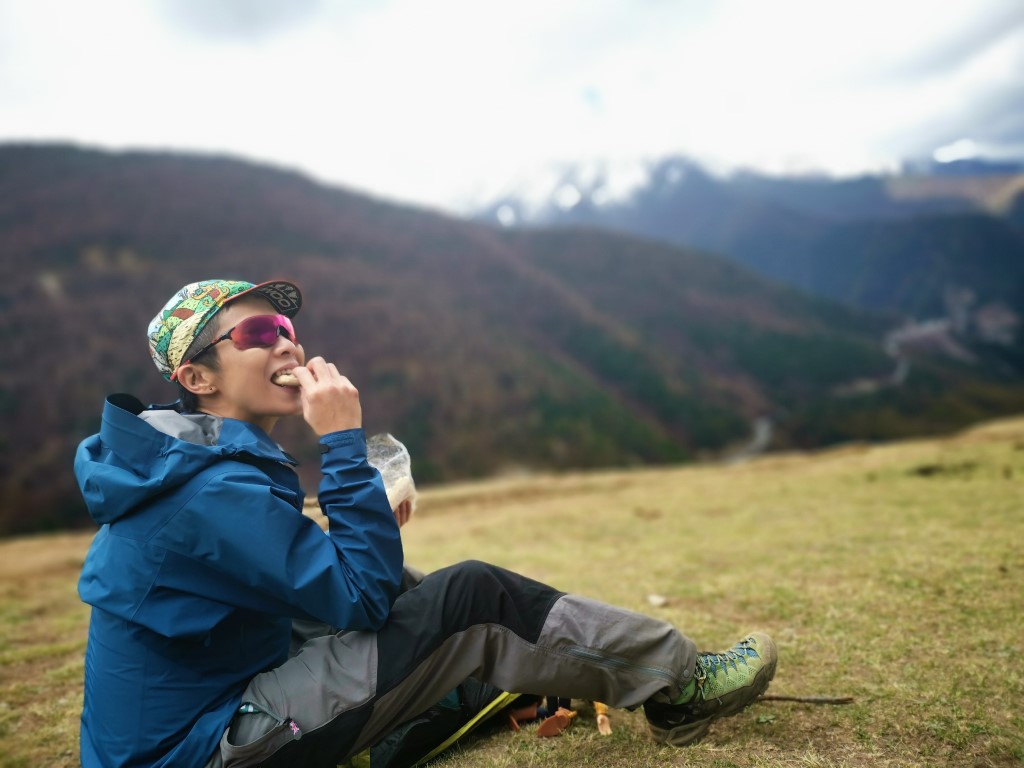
(226, 436)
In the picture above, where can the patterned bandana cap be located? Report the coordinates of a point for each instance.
(176, 326)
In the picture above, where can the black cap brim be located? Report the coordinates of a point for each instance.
(284, 296)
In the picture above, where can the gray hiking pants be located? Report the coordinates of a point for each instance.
(344, 692)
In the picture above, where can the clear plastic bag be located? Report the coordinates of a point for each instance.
(392, 460)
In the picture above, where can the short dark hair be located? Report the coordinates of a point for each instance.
(189, 401)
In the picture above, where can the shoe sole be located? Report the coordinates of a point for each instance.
(690, 733)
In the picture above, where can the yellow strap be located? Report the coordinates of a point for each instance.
(499, 701)
(362, 760)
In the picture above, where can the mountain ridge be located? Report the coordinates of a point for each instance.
(482, 349)
(816, 233)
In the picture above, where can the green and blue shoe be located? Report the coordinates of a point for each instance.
(723, 684)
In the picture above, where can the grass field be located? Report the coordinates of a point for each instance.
(890, 574)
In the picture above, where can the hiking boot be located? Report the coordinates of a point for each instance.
(723, 684)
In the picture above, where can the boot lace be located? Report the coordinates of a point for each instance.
(709, 663)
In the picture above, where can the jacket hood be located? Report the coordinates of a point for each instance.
(140, 453)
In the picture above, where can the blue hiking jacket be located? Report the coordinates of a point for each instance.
(202, 560)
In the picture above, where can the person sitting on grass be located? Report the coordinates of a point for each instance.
(204, 558)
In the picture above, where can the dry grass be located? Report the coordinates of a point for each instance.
(893, 574)
(42, 642)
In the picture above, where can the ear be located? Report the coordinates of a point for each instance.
(197, 379)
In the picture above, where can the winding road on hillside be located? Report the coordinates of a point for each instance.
(935, 333)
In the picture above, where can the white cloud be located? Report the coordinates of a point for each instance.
(445, 101)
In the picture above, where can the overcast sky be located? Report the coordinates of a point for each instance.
(447, 102)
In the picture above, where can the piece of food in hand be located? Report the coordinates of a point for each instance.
(285, 379)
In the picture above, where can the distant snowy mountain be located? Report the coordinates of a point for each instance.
(583, 192)
(900, 242)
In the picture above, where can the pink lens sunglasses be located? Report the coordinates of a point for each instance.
(256, 331)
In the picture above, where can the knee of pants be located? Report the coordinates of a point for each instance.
(474, 591)
(472, 571)
(480, 583)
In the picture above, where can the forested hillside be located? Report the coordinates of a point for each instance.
(484, 351)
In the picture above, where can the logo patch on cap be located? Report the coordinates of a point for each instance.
(284, 296)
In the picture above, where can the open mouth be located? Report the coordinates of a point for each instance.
(285, 379)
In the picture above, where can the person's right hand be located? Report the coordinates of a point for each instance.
(330, 402)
